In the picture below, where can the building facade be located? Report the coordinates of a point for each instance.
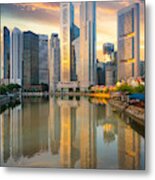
(76, 57)
(30, 59)
(87, 44)
(54, 62)
(43, 59)
(100, 73)
(110, 74)
(68, 32)
(6, 45)
(16, 56)
(128, 42)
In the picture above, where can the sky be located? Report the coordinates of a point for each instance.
(44, 18)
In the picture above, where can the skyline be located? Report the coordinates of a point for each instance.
(40, 16)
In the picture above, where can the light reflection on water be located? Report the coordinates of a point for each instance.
(69, 133)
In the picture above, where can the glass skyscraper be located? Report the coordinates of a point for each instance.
(6, 36)
(87, 44)
(16, 56)
(30, 59)
(68, 32)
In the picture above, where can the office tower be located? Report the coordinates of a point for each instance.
(87, 44)
(76, 58)
(128, 42)
(16, 56)
(30, 59)
(6, 44)
(69, 32)
(54, 62)
(100, 73)
(108, 52)
(43, 59)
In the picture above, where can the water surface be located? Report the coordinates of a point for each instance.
(69, 133)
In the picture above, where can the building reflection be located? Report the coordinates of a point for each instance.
(16, 144)
(68, 131)
(54, 126)
(72, 133)
(128, 147)
(87, 117)
(5, 136)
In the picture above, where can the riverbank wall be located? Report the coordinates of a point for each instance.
(137, 113)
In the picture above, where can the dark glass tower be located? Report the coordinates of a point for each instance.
(6, 36)
(30, 59)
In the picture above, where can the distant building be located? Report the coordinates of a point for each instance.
(16, 56)
(101, 73)
(43, 59)
(6, 44)
(108, 52)
(128, 42)
(30, 59)
(54, 61)
(87, 44)
(69, 32)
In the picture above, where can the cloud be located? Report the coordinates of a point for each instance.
(39, 6)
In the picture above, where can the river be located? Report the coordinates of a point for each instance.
(70, 133)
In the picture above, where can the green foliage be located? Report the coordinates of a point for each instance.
(4, 89)
(129, 89)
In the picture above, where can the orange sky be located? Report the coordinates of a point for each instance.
(43, 18)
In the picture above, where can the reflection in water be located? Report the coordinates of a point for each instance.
(70, 133)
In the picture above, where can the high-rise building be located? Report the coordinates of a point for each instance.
(87, 44)
(128, 42)
(30, 59)
(54, 61)
(16, 56)
(101, 73)
(43, 59)
(6, 44)
(69, 32)
(76, 58)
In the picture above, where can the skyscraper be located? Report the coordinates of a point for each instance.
(16, 56)
(87, 44)
(30, 59)
(128, 42)
(69, 32)
(43, 59)
(6, 41)
(76, 58)
(54, 61)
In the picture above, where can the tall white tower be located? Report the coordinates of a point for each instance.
(67, 19)
(87, 44)
(16, 56)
